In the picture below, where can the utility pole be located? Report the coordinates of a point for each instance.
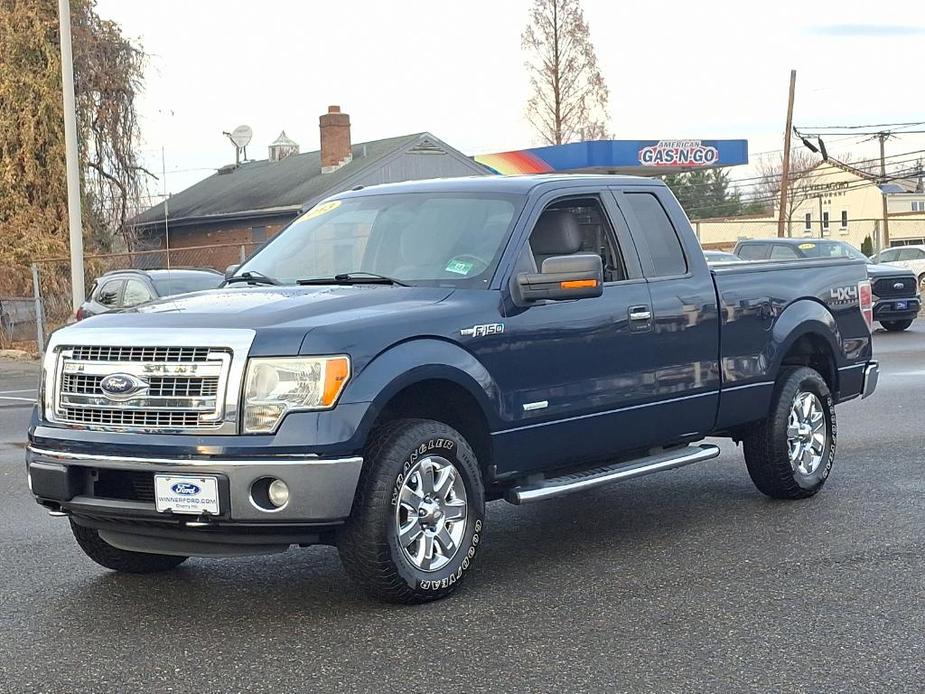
(70, 146)
(785, 168)
(166, 206)
(886, 217)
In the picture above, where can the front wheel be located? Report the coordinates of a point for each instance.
(896, 326)
(790, 454)
(418, 513)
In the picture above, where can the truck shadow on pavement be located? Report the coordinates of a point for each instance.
(619, 535)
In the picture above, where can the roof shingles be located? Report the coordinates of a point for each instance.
(269, 185)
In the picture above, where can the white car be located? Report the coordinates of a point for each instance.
(909, 257)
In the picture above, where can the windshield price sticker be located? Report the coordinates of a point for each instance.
(460, 267)
(319, 210)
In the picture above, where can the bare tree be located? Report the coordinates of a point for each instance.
(767, 188)
(109, 70)
(569, 96)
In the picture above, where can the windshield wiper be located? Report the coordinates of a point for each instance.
(360, 277)
(252, 277)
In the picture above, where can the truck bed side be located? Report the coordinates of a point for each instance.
(787, 312)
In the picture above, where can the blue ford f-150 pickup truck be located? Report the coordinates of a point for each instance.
(401, 354)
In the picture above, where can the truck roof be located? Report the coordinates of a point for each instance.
(502, 184)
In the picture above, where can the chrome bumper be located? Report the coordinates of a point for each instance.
(871, 376)
(321, 490)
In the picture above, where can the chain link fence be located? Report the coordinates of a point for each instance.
(18, 323)
(30, 320)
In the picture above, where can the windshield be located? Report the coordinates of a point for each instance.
(426, 239)
(170, 285)
(812, 249)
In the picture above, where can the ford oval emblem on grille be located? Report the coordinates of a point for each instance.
(120, 385)
(899, 285)
(185, 488)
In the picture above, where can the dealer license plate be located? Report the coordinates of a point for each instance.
(186, 494)
(900, 305)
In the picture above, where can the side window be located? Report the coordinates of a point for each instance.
(808, 222)
(573, 226)
(258, 234)
(109, 293)
(135, 293)
(889, 256)
(910, 254)
(661, 238)
(754, 251)
(783, 252)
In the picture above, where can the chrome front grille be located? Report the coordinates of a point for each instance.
(158, 386)
(149, 419)
(147, 354)
(150, 388)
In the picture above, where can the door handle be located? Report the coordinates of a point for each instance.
(640, 313)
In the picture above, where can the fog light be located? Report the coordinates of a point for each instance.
(278, 493)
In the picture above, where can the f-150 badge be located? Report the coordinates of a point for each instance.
(483, 330)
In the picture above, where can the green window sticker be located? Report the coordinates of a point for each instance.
(460, 267)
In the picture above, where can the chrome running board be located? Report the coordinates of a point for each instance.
(596, 477)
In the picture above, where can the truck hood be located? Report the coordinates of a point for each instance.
(278, 307)
(876, 271)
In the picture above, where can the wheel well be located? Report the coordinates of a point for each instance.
(813, 351)
(447, 402)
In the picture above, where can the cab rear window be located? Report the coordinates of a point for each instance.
(753, 251)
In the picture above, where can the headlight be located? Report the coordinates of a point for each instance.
(277, 385)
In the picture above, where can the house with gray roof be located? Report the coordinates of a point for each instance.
(244, 204)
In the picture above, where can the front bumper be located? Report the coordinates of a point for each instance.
(886, 309)
(321, 489)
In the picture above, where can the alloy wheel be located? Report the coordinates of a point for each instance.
(806, 433)
(430, 517)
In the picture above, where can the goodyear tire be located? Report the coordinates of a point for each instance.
(418, 513)
(895, 326)
(121, 560)
(790, 454)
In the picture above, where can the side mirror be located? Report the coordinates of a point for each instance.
(564, 277)
(230, 270)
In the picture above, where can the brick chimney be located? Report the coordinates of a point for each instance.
(335, 140)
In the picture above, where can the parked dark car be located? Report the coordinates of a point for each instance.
(895, 289)
(401, 354)
(121, 289)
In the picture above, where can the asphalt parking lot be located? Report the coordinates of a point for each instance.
(685, 581)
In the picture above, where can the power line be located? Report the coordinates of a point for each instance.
(859, 127)
(894, 159)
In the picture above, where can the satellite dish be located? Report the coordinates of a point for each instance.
(241, 136)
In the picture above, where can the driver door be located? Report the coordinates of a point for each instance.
(574, 374)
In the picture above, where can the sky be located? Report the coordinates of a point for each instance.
(701, 70)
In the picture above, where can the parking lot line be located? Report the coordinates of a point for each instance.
(2, 397)
(23, 390)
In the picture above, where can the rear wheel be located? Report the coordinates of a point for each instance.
(895, 326)
(418, 514)
(121, 560)
(790, 454)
